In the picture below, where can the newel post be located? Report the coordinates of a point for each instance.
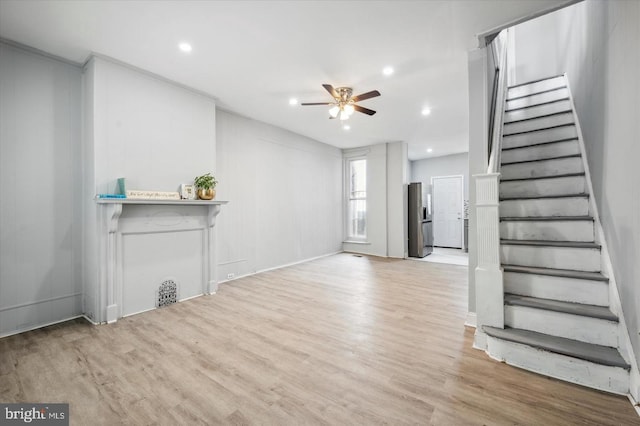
(489, 283)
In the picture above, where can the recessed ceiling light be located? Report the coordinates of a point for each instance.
(185, 47)
(346, 127)
(429, 150)
(426, 111)
(387, 70)
(293, 101)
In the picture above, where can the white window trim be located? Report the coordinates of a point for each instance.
(353, 155)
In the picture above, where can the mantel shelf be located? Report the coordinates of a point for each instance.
(161, 202)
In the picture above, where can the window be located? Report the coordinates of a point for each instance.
(357, 199)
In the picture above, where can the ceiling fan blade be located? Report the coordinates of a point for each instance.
(329, 88)
(368, 95)
(316, 103)
(364, 110)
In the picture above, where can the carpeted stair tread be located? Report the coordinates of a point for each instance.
(598, 354)
(601, 312)
(565, 273)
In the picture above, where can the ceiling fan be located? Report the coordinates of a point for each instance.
(345, 104)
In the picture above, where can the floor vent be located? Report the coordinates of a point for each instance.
(167, 293)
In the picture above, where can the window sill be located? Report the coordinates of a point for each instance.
(356, 242)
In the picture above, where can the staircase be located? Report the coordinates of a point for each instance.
(557, 315)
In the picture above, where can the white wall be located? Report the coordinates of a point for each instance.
(40, 215)
(597, 44)
(448, 165)
(285, 194)
(376, 243)
(154, 133)
(397, 208)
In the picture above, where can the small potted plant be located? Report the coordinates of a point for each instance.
(206, 185)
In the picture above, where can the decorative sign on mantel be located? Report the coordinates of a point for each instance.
(153, 195)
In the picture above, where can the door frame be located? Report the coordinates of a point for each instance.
(433, 198)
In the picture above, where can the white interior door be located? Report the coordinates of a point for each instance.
(447, 211)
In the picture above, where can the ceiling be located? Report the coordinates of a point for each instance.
(253, 56)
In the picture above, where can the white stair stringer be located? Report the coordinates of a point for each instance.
(570, 369)
(558, 279)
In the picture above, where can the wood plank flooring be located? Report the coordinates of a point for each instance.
(341, 340)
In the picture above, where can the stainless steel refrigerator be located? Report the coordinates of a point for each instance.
(420, 224)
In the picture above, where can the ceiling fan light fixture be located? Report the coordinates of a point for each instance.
(333, 111)
(344, 115)
(349, 109)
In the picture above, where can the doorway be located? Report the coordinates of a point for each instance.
(447, 211)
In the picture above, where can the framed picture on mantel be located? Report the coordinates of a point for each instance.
(187, 192)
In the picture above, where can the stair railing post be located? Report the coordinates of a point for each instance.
(489, 280)
(489, 273)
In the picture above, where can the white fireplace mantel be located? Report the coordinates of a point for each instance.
(130, 227)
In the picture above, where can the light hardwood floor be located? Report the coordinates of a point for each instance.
(341, 340)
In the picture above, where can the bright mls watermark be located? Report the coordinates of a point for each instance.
(34, 414)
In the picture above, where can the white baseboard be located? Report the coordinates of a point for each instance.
(472, 320)
(634, 403)
(480, 341)
(35, 327)
(286, 265)
(89, 320)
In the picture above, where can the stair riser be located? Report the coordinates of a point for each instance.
(538, 86)
(571, 206)
(538, 123)
(585, 373)
(575, 327)
(541, 136)
(574, 290)
(575, 259)
(543, 187)
(537, 111)
(541, 98)
(566, 230)
(541, 152)
(542, 168)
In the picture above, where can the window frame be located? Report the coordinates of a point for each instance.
(348, 159)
